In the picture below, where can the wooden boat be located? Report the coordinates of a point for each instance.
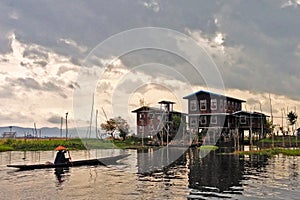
(101, 161)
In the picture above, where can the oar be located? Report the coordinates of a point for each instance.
(70, 159)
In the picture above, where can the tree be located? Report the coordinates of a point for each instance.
(175, 127)
(122, 126)
(292, 118)
(269, 127)
(109, 127)
(116, 124)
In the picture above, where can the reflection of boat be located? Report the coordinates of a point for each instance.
(101, 161)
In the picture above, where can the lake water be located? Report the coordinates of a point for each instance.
(192, 176)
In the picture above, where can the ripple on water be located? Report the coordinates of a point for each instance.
(212, 177)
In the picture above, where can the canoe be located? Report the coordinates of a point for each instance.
(100, 161)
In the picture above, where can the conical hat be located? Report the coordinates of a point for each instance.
(60, 148)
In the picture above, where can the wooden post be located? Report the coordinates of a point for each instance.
(66, 126)
(282, 127)
(35, 135)
(91, 119)
(250, 132)
(143, 134)
(61, 126)
(271, 108)
(273, 139)
(96, 121)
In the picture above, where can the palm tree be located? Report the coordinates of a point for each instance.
(292, 118)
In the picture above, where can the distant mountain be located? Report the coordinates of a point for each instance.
(50, 132)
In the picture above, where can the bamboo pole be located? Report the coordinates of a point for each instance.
(66, 126)
(61, 126)
(91, 118)
(96, 121)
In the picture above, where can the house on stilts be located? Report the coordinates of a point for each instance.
(160, 125)
(218, 118)
(212, 119)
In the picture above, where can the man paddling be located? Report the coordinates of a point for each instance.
(60, 156)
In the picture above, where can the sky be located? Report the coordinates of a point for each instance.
(55, 56)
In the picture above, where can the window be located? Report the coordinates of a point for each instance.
(151, 127)
(228, 105)
(151, 115)
(193, 105)
(213, 104)
(141, 115)
(214, 119)
(225, 104)
(202, 104)
(237, 106)
(203, 120)
(243, 119)
(193, 122)
(141, 128)
(221, 105)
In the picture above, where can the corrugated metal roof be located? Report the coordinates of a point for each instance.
(211, 93)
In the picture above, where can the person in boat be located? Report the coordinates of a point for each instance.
(60, 155)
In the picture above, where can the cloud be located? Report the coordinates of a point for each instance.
(7, 92)
(55, 119)
(73, 44)
(26, 83)
(153, 5)
(34, 53)
(255, 45)
(291, 3)
(252, 101)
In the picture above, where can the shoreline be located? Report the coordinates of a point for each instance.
(130, 143)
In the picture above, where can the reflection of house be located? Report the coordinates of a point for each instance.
(151, 121)
(210, 110)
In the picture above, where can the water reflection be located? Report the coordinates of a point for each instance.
(153, 160)
(191, 176)
(61, 175)
(214, 172)
(209, 175)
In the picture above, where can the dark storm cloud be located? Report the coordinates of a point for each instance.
(55, 119)
(173, 67)
(261, 36)
(50, 86)
(35, 54)
(32, 84)
(27, 83)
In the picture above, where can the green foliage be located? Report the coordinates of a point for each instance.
(117, 123)
(72, 144)
(175, 127)
(272, 152)
(5, 148)
(208, 147)
(35, 145)
(269, 127)
(292, 117)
